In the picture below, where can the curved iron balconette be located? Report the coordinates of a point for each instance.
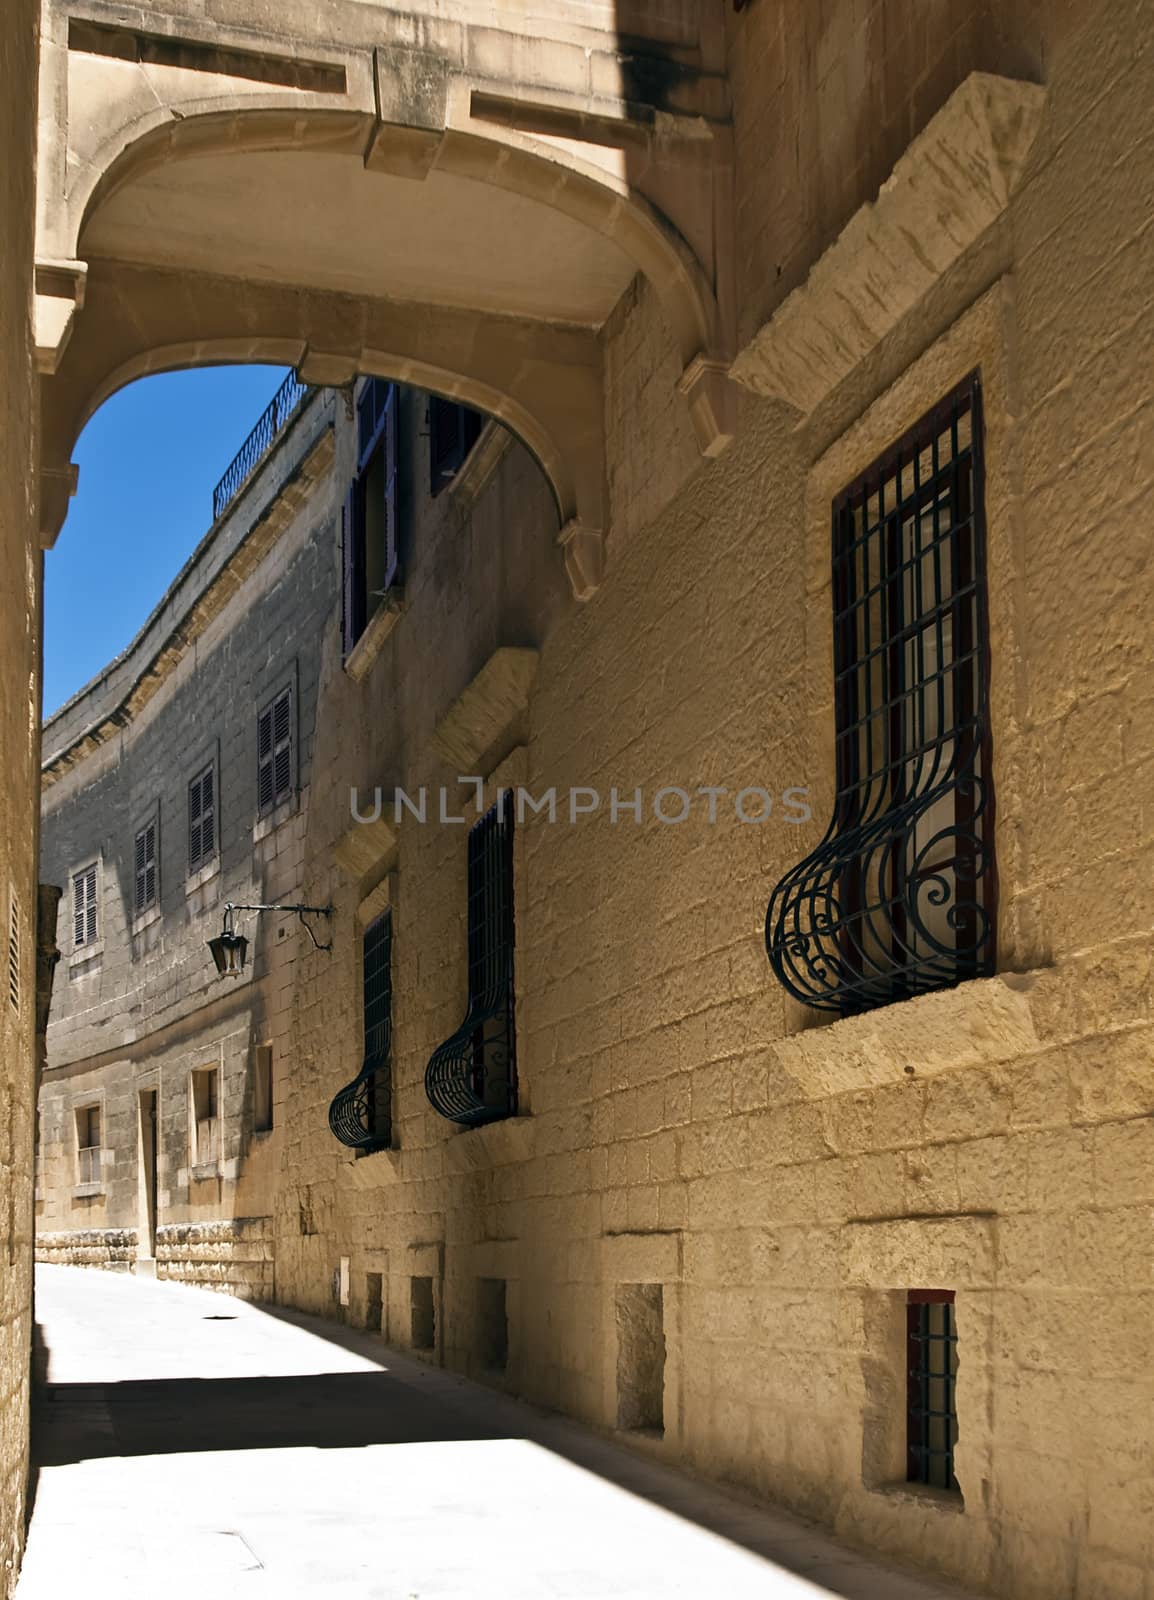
(353, 1115)
(471, 1077)
(877, 914)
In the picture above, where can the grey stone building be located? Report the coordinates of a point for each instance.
(179, 781)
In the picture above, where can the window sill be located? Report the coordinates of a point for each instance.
(386, 1147)
(985, 1020)
(197, 880)
(87, 956)
(203, 1171)
(147, 919)
(87, 1191)
(259, 1136)
(921, 1496)
(368, 647)
(270, 821)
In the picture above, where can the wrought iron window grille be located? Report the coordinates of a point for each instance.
(360, 1115)
(931, 1388)
(899, 896)
(471, 1078)
(273, 420)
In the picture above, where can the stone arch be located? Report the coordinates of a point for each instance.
(544, 387)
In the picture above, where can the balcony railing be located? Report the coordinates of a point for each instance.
(277, 414)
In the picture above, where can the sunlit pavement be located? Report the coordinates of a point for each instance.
(192, 1444)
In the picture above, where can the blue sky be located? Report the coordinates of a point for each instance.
(148, 462)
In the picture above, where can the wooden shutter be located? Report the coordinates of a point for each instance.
(274, 752)
(453, 431)
(201, 820)
(84, 926)
(265, 784)
(194, 829)
(144, 865)
(282, 720)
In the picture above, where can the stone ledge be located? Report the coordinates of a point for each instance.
(487, 720)
(372, 641)
(975, 1024)
(950, 187)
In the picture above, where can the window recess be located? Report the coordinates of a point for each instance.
(360, 1115)
(370, 544)
(205, 1116)
(899, 896)
(453, 431)
(471, 1077)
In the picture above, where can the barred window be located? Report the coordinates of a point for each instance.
(453, 431)
(361, 1113)
(202, 819)
(931, 1385)
(471, 1077)
(899, 897)
(144, 869)
(85, 917)
(274, 752)
(371, 556)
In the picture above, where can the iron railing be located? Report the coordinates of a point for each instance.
(931, 1388)
(279, 411)
(471, 1077)
(360, 1115)
(899, 896)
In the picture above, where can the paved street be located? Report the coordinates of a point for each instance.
(192, 1444)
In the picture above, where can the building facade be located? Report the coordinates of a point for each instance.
(779, 1096)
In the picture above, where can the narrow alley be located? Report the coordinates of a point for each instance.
(190, 1443)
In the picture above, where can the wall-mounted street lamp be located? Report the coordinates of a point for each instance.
(230, 948)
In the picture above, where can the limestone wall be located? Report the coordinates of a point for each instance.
(682, 1125)
(234, 1255)
(19, 719)
(113, 1249)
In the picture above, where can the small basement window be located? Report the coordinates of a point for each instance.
(931, 1385)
